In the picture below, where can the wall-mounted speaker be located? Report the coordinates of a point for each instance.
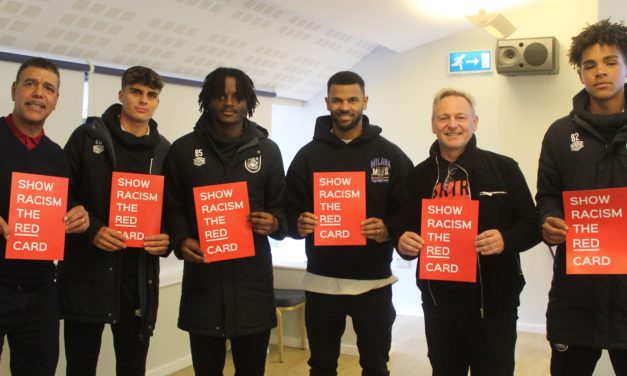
(516, 57)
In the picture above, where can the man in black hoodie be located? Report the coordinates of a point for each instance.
(230, 299)
(101, 280)
(586, 150)
(347, 280)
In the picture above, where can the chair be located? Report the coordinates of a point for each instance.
(289, 300)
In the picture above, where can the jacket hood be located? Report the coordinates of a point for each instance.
(111, 118)
(324, 125)
(581, 109)
(252, 130)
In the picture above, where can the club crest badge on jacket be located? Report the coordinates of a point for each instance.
(199, 160)
(576, 144)
(98, 147)
(253, 164)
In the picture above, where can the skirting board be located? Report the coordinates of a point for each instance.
(171, 367)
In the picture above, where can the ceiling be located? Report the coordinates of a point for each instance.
(289, 47)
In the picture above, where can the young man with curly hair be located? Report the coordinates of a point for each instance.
(587, 149)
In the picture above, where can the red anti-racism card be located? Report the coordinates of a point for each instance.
(36, 209)
(596, 222)
(223, 227)
(340, 204)
(135, 208)
(449, 228)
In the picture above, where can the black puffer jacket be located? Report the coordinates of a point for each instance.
(233, 297)
(584, 310)
(505, 204)
(89, 278)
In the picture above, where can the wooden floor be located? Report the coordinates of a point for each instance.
(408, 355)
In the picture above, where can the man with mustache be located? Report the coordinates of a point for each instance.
(29, 315)
(586, 150)
(342, 281)
(101, 280)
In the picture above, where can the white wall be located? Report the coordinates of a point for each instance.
(613, 9)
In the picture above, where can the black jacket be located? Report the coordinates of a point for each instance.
(233, 297)
(89, 278)
(505, 204)
(384, 163)
(584, 310)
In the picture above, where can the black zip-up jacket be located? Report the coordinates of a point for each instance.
(233, 297)
(505, 204)
(583, 310)
(385, 165)
(89, 278)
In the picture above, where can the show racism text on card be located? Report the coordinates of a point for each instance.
(340, 204)
(449, 228)
(135, 208)
(36, 209)
(596, 220)
(223, 227)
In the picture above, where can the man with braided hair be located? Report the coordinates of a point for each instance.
(229, 299)
(587, 149)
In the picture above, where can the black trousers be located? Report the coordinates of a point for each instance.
(581, 361)
(29, 318)
(459, 339)
(373, 315)
(249, 354)
(83, 339)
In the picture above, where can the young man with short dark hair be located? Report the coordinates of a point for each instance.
(343, 281)
(101, 280)
(586, 150)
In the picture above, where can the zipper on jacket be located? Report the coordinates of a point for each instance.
(481, 310)
(493, 193)
(520, 271)
(431, 293)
